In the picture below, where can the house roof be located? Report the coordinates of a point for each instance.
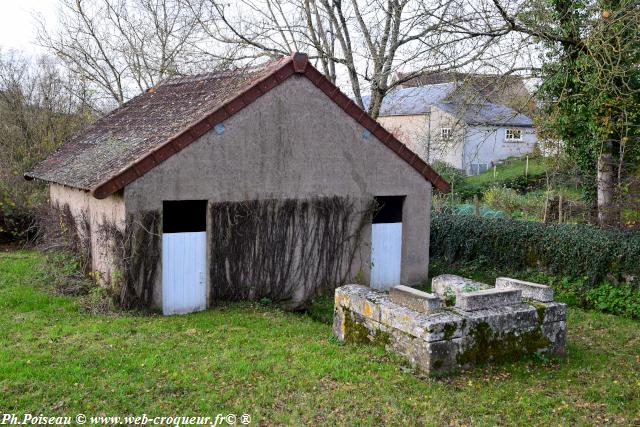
(486, 114)
(125, 144)
(497, 88)
(412, 100)
(420, 99)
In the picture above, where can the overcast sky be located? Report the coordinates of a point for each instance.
(17, 29)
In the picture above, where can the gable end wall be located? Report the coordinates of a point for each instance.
(293, 143)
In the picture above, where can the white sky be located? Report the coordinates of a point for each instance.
(17, 23)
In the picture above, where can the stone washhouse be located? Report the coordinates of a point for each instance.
(461, 324)
(258, 182)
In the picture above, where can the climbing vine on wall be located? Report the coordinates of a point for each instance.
(136, 251)
(58, 228)
(284, 250)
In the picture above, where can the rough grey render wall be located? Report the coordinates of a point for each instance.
(99, 212)
(294, 143)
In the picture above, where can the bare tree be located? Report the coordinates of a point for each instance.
(366, 40)
(124, 47)
(40, 106)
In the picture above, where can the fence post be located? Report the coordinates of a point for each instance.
(494, 171)
(451, 199)
(476, 202)
(526, 167)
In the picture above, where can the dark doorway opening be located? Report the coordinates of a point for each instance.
(184, 216)
(389, 209)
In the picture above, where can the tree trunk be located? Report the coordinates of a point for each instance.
(560, 201)
(605, 185)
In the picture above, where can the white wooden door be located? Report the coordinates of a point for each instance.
(183, 272)
(386, 253)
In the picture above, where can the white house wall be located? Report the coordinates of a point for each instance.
(423, 135)
(411, 130)
(486, 145)
(451, 151)
(469, 144)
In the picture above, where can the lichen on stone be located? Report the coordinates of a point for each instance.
(489, 345)
(357, 333)
(354, 331)
(540, 309)
(449, 330)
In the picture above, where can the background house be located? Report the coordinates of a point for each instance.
(255, 183)
(505, 89)
(457, 123)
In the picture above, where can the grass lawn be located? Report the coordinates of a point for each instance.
(285, 368)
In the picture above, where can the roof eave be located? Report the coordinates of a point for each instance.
(519, 125)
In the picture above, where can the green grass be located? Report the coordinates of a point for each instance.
(511, 169)
(285, 368)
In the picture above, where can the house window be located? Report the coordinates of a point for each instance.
(446, 134)
(478, 168)
(513, 135)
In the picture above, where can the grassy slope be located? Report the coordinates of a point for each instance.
(285, 368)
(511, 169)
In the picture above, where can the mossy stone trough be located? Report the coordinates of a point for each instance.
(488, 326)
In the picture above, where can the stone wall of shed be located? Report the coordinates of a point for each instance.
(98, 215)
(293, 143)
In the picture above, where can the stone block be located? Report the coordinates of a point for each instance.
(556, 333)
(552, 311)
(529, 290)
(442, 356)
(488, 298)
(444, 325)
(415, 299)
(338, 322)
(402, 318)
(447, 284)
(451, 338)
(501, 319)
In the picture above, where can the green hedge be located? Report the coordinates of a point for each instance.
(574, 250)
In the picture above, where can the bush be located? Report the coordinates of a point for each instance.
(529, 205)
(451, 174)
(15, 223)
(572, 250)
(622, 299)
(503, 198)
(520, 184)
